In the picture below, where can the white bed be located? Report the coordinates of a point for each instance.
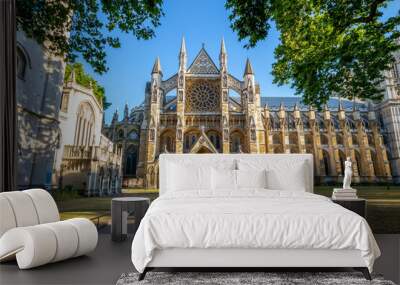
(195, 223)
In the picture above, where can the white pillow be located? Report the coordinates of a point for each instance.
(182, 177)
(251, 178)
(223, 179)
(281, 174)
(281, 180)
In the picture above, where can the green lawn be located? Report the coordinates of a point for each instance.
(383, 211)
(97, 206)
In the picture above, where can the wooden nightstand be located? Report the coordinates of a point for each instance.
(358, 206)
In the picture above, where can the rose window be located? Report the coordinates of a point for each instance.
(202, 96)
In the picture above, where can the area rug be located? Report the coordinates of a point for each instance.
(244, 278)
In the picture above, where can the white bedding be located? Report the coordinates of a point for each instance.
(252, 218)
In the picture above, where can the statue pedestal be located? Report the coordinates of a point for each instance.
(344, 194)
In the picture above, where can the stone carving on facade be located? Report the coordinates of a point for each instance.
(203, 64)
(169, 84)
(225, 95)
(179, 134)
(226, 134)
(251, 97)
(234, 84)
(225, 81)
(225, 122)
(252, 122)
(253, 134)
(180, 81)
(202, 96)
(154, 95)
(152, 134)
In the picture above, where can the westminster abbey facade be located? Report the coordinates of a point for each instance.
(213, 111)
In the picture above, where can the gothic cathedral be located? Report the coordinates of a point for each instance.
(212, 111)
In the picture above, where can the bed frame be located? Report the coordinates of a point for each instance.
(249, 259)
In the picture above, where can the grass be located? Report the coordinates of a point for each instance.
(383, 211)
(96, 206)
(139, 191)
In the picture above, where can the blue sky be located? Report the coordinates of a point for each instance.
(201, 21)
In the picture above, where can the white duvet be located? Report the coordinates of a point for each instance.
(250, 219)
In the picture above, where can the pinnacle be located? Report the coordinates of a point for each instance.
(248, 69)
(157, 66)
(183, 46)
(223, 50)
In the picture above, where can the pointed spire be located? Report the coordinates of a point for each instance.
(115, 117)
(282, 112)
(126, 111)
(296, 111)
(248, 69)
(157, 67)
(183, 47)
(182, 56)
(327, 113)
(266, 111)
(223, 57)
(223, 50)
(340, 107)
(311, 113)
(341, 112)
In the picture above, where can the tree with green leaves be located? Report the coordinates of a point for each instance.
(84, 79)
(335, 47)
(72, 28)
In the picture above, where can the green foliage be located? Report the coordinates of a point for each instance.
(335, 47)
(84, 79)
(85, 27)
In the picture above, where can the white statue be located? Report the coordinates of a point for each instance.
(348, 172)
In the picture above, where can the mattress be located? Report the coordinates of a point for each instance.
(250, 219)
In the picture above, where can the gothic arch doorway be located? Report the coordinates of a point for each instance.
(130, 161)
(236, 142)
(342, 158)
(358, 163)
(326, 159)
